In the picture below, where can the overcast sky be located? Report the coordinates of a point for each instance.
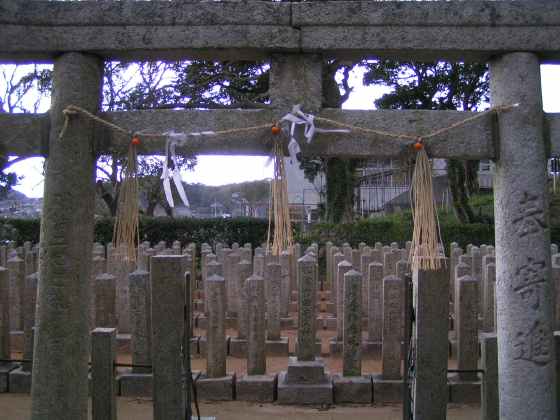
(219, 170)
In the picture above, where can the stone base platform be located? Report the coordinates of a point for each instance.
(258, 388)
(277, 347)
(216, 389)
(237, 347)
(355, 389)
(463, 392)
(387, 390)
(305, 383)
(5, 369)
(135, 384)
(19, 381)
(304, 394)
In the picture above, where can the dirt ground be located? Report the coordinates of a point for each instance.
(17, 407)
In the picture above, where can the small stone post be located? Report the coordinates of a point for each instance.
(375, 302)
(393, 308)
(274, 280)
(307, 275)
(256, 357)
(140, 320)
(104, 292)
(16, 269)
(216, 333)
(342, 269)
(29, 308)
(432, 311)
(103, 382)
(167, 279)
(4, 314)
(467, 327)
(489, 394)
(352, 336)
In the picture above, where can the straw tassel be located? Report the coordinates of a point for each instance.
(283, 237)
(126, 232)
(425, 252)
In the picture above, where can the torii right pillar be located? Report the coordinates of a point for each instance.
(524, 290)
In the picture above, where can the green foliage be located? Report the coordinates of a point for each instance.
(398, 228)
(20, 230)
(241, 230)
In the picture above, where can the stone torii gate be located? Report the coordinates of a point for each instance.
(514, 37)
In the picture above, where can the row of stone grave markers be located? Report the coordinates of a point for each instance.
(260, 296)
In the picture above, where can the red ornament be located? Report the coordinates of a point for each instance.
(135, 141)
(418, 146)
(276, 130)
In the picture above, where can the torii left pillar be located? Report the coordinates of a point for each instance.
(60, 368)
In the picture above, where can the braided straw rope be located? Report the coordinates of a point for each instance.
(425, 251)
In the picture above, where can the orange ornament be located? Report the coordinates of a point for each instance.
(135, 141)
(418, 146)
(276, 130)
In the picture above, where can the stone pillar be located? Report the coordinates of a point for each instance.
(489, 394)
(390, 260)
(393, 312)
(4, 314)
(244, 269)
(365, 261)
(342, 269)
(375, 302)
(285, 283)
(121, 269)
(216, 332)
(258, 265)
(256, 355)
(328, 262)
(273, 302)
(352, 335)
(104, 292)
(140, 320)
(62, 339)
(168, 302)
(461, 270)
(307, 275)
(337, 259)
(103, 383)
(555, 277)
(432, 311)
(489, 296)
(467, 326)
(523, 289)
(29, 310)
(232, 283)
(16, 270)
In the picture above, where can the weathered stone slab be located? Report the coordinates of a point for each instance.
(135, 384)
(258, 388)
(386, 390)
(168, 305)
(304, 394)
(490, 407)
(103, 381)
(216, 389)
(430, 390)
(19, 381)
(354, 390)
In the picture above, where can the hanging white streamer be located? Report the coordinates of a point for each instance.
(168, 174)
(294, 118)
(298, 117)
